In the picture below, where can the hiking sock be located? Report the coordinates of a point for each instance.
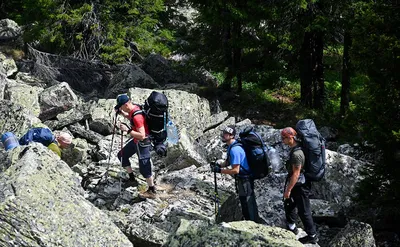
(292, 226)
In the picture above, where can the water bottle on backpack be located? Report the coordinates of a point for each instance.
(172, 133)
(274, 159)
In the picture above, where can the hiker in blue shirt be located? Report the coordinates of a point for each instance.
(236, 158)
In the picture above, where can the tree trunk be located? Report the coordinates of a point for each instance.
(227, 47)
(319, 80)
(346, 72)
(237, 54)
(306, 70)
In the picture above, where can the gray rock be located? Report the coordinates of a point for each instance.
(216, 119)
(186, 110)
(327, 213)
(67, 118)
(206, 78)
(25, 95)
(240, 233)
(15, 118)
(187, 87)
(354, 234)
(342, 174)
(55, 100)
(184, 154)
(127, 77)
(215, 106)
(45, 205)
(102, 114)
(27, 78)
(3, 82)
(211, 140)
(76, 153)
(7, 65)
(89, 135)
(9, 30)
(330, 134)
(160, 69)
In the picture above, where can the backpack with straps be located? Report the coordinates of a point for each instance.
(41, 135)
(256, 152)
(313, 146)
(155, 110)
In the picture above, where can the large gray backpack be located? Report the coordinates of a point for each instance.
(313, 146)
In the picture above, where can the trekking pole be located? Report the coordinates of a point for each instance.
(122, 155)
(216, 202)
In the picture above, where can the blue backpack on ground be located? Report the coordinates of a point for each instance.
(256, 152)
(41, 135)
(313, 146)
(9, 141)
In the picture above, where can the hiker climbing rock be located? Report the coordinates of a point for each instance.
(297, 189)
(140, 144)
(44, 136)
(236, 158)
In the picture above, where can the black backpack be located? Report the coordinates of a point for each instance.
(313, 146)
(256, 152)
(155, 109)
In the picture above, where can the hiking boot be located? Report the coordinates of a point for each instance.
(148, 194)
(309, 240)
(130, 183)
(295, 230)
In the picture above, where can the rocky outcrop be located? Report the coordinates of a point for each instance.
(55, 100)
(354, 234)
(241, 233)
(42, 204)
(129, 76)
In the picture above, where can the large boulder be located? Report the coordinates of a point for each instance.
(184, 154)
(186, 110)
(9, 30)
(15, 118)
(7, 65)
(354, 234)
(241, 233)
(341, 176)
(42, 204)
(55, 100)
(127, 77)
(25, 95)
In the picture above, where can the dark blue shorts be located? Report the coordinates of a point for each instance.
(142, 149)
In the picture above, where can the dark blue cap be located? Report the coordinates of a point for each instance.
(121, 100)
